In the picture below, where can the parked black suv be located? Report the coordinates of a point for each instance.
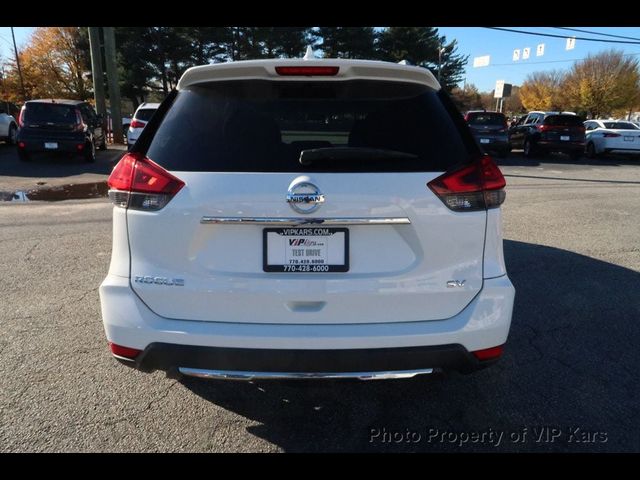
(544, 132)
(490, 131)
(68, 126)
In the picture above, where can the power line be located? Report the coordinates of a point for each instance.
(596, 33)
(562, 36)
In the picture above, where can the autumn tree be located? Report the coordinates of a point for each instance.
(543, 91)
(55, 63)
(603, 83)
(466, 98)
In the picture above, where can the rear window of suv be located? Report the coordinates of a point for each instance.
(145, 114)
(37, 113)
(263, 126)
(563, 120)
(496, 119)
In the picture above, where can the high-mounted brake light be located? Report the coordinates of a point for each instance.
(138, 183)
(476, 186)
(137, 124)
(307, 71)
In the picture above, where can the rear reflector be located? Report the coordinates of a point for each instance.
(126, 352)
(489, 353)
(139, 183)
(307, 71)
(476, 186)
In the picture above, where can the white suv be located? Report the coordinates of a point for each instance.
(307, 218)
(140, 119)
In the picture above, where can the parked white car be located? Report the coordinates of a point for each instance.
(604, 136)
(307, 219)
(8, 127)
(143, 114)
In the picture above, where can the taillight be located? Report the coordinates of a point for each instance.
(611, 135)
(476, 186)
(136, 124)
(489, 353)
(79, 126)
(307, 71)
(21, 116)
(543, 128)
(124, 352)
(141, 184)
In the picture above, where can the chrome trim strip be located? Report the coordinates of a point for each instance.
(240, 375)
(306, 221)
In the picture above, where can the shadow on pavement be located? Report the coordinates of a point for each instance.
(610, 160)
(570, 362)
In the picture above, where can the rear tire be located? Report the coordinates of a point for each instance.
(90, 152)
(13, 133)
(528, 148)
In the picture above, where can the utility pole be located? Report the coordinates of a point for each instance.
(96, 70)
(15, 49)
(112, 81)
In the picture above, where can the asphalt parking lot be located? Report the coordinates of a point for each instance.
(568, 380)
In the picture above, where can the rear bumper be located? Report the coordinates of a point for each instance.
(558, 146)
(401, 346)
(290, 363)
(65, 145)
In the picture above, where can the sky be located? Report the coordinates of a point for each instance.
(479, 41)
(499, 45)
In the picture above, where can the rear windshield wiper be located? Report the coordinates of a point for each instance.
(307, 157)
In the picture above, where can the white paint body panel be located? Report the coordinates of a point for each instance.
(397, 273)
(484, 323)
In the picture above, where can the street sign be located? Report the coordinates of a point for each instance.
(571, 43)
(525, 53)
(502, 89)
(481, 61)
(516, 55)
(540, 50)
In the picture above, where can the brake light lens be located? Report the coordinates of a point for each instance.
(79, 126)
(308, 71)
(489, 353)
(137, 124)
(125, 352)
(21, 117)
(611, 135)
(138, 183)
(543, 128)
(476, 186)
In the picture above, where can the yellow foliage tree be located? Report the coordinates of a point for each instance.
(603, 83)
(543, 91)
(54, 64)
